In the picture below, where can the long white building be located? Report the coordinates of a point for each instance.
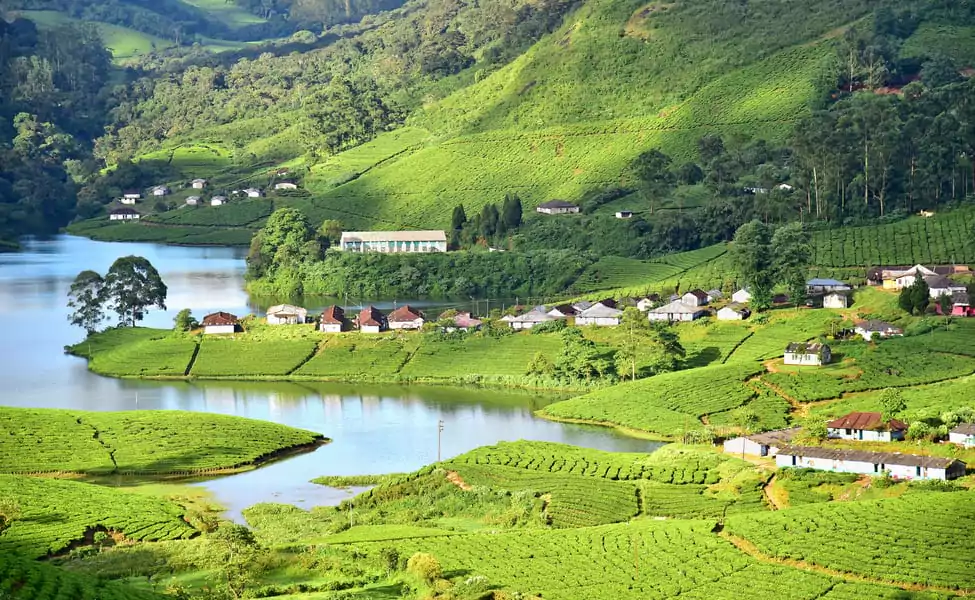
(900, 466)
(393, 241)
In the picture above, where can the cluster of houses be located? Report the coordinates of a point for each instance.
(334, 320)
(132, 197)
(936, 277)
(857, 426)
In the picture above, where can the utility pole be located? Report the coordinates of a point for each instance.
(439, 433)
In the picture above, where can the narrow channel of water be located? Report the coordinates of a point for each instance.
(375, 429)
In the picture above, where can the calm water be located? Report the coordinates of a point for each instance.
(375, 429)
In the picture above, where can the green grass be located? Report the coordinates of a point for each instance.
(667, 404)
(236, 214)
(103, 230)
(122, 41)
(227, 12)
(932, 39)
(56, 513)
(137, 442)
(139, 352)
(913, 539)
(646, 276)
(230, 358)
(354, 356)
(25, 579)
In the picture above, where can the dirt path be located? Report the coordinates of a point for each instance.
(752, 550)
(773, 499)
(455, 478)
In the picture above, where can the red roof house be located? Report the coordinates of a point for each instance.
(866, 426)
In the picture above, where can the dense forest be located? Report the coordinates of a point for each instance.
(52, 105)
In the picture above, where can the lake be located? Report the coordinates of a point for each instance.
(374, 429)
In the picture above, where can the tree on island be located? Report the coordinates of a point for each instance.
(85, 299)
(133, 286)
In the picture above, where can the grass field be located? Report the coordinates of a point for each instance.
(911, 539)
(26, 579)
(137, 442)
(931, 39)
(55, 513)
(122, 41)
(227, 12)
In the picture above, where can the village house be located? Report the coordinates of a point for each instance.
(198, 184)
(647, 302)
(836, 300)
(888, 276)
(825, 286)
(714, 295)
(866, 427)
(462, 321)
(963, 435)
(733, 312)
(286, 314)
(807, 354)
(939, 285)
(961, 306)
(742, 296)
(695, 298)
(332, 320)
(601, 315)
(285, 185)
(582, 305)
(563, 311)
(761, 444)
(253, 193)
(529, 319)
(160, 190)
(676, 311)
(219, 322)
(130, 197)
(370, 320)
(192, 200)
(875, 328)
(123, 214)
(393, 241)
(557, 207)
(624, 214)
(405, 317)
(900, 466)
(218, 201)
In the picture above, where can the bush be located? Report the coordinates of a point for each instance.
(919, 430)
(425, 566)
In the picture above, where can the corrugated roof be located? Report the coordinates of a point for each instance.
(219, 318)
(677, 307)
(394, 236)
(333, 315)
(777, 436)
(877, 458)
(876, 325)
(805, 348)
(557, 204)
(867, 421)
(404, 314)
(965, 429)
(534, 316)
(818, 282)
(370, 316)
(286, 309)
(601, 311)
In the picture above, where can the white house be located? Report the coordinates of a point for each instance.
(733, 312)
(332, 320)
(676, 311)
(160, 190)
(405, 317)
(695, 298)
(285, 185)
(900, 466)
(582, 305)
(198, 184)
(899, 279)
(714, 295)
(192, 200)
(601, 315)
(825, 286)
(866, 427)
(123, 214)
(219, 322)
(807, 354)
(253, 193)
(557, 207)
(874, 328)
(390, 242)
(530, 319)
(836, 300)
(218, 201)
(963, 435)
(761, 444)
(624, 214)
(370, 320)
(939, 285)
(131, 197)
(286, 314)
(563, 311)
(742, 296)
(648, 302)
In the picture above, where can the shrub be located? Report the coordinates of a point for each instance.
(425, 566)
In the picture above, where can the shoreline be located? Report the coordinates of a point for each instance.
(632, 432)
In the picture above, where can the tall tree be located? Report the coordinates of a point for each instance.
(459, 218)
(511, 211)
(652, 169)
(133, 286)
(791, 254)
(85, 298)
(752, 256)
